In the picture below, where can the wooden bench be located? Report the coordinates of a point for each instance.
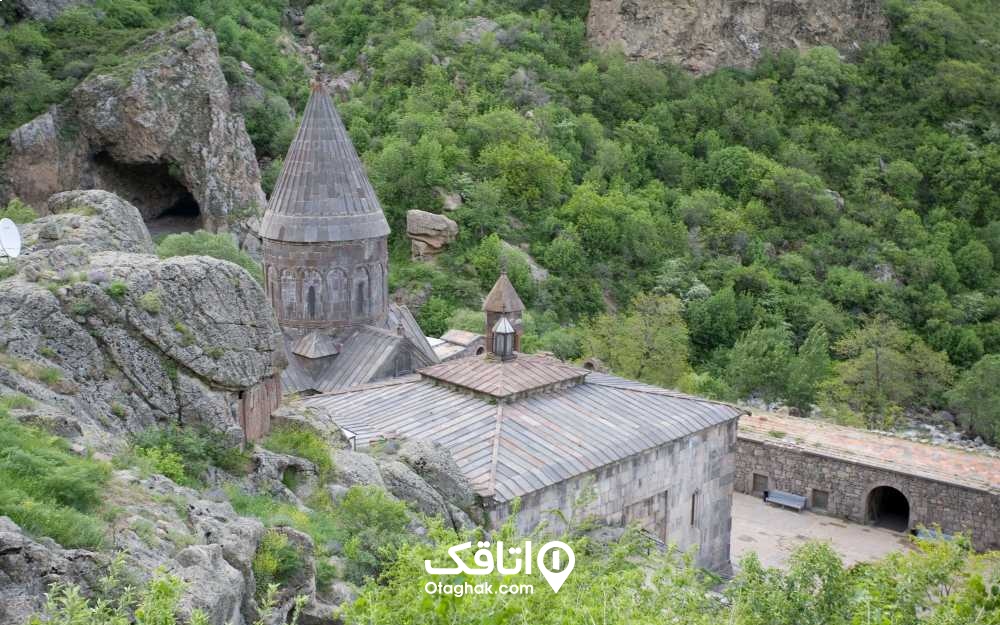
(788, 500)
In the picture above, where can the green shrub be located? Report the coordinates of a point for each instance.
(150, 302)
(372, 525)
(203, 243)
(303, 442)
(45, 488)
(18, 212)
(185, 454)
(117, 289)
(275, 562)
(7, 270)
(156, 602)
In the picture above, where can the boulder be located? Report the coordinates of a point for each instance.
(29, 566)
(429, 233)
(405, 484)
(474, 29)
(703, 36)
(273, 472)
(450, 201)
(434, 464)
(356, 469)
(218, 587)
(158, 129)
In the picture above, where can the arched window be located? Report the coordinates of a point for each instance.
(338, 296)
(361, 293)
(289, 294)
(312, 287)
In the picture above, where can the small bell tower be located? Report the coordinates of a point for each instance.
(504, 308)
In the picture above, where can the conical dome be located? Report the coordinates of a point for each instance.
(323, 193)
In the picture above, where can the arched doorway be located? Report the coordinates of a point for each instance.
(888, 508)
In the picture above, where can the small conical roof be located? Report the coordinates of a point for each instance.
(502, 297)
(323, 193)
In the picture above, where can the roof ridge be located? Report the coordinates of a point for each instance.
(495, 454)
(407, 379)
(655, 390)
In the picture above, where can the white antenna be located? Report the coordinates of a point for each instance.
(10, 240)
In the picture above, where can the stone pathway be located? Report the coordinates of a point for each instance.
(775, 532)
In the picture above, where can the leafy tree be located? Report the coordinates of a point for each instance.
(887, 368)
(758, 363)
(810, 368)
(649, 343)
(976, 397)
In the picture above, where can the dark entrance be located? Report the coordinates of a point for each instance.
(888, 508)
(165, 203)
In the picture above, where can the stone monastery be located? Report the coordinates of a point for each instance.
(559, 439)
(519, 426)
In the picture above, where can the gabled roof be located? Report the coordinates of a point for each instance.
(362, 354)
(509, 449)
(315, 345)
(502, 298)
(323, 193)
(490, 376)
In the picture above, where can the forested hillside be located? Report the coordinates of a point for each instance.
(818, 230)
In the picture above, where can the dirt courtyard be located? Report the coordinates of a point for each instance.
(775, 532)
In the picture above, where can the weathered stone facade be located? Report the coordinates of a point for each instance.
(327, 285)
(680, 492)
(847, 486)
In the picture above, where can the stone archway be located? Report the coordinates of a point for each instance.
(888, 507)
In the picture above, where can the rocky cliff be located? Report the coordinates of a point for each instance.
(111, 339)
(104, 340)
(702, 35)
(158, 129)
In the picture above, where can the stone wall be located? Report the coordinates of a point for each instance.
(327, 285)
(655, 489)
(801, 471)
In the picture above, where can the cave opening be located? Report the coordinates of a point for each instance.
(156, 189)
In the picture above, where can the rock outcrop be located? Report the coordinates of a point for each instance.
(44, 9)
(28, 567)
(111, 339)
(429, 233)
(158, 129)
(701, 36)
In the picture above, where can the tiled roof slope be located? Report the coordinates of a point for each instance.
(509, 449)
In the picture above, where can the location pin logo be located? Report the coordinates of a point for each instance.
(557, 567)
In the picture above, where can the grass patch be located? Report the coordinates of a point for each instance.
(303, 442)
(46, 489)
(185, 454)
(202, 243)
(7, 270)
(16, 401)
(368, 523)
(49, 376)
(777, 434)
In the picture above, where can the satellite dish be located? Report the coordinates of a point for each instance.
(10, 239)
